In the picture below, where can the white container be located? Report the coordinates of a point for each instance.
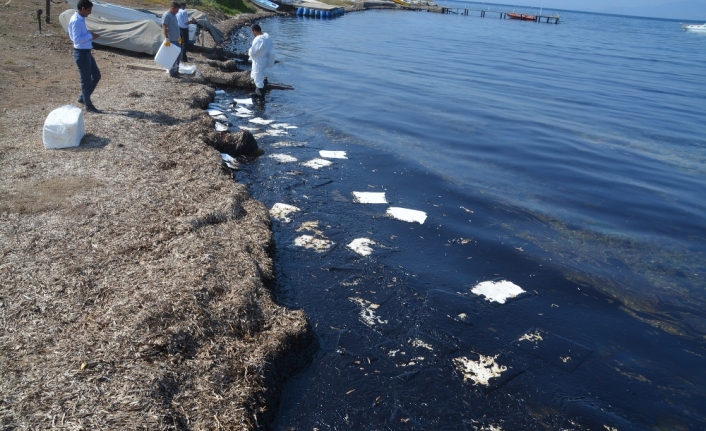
(63, 128)
(193, 28)
(167, 55)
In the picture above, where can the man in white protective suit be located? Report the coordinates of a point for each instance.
(262, 55)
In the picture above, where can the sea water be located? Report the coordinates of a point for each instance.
(559, 167)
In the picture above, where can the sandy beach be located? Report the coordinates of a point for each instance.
(134, 270)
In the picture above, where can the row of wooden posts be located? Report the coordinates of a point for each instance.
(537, 18)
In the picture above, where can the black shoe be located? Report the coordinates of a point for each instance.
(93, 109)
(175, 75)
(80, 100)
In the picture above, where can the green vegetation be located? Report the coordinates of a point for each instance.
(230, 7)
(338, 2)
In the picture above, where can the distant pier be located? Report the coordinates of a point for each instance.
(550, 19)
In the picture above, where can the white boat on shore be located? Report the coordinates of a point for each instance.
(113, 12)
(265, 4)
(701, 28)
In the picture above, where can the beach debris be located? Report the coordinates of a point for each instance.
(230, 161)
(532, 337)
(258, 120)
(214, 112)
(283, 126)
(497, 291)
(480, 371)
(243, 110)
(462, 241)
(407, 215)
(281, 211)
(283, 158)
(243, 101)
(369, 197)
(367, 312)
(221, 118)
(317, 241)
(320, 245)
(419, 343)
(317, 163)
(362, 246)
(333, 154)
(563, 353)
(220, 127)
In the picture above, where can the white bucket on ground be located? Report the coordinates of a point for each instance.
(63, 128)
(167, 55)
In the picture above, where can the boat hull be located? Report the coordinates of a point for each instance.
(113, 12)
(522, 16)
(698, 28)
(265, 4)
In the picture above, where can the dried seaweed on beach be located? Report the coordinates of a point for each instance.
(134, 269)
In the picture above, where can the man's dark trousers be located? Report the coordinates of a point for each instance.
(89, 73)
(184, 33)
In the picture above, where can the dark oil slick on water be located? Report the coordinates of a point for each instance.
(567, 159)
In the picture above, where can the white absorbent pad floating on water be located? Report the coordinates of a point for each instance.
(283, 158)
(63, 128)
(407, 215)
(258, 120)
(333, 154)
(497, 291)
(243, 101)
(229, 161)
(283, 126)
(369, 197)
(281, 211)
(220, 127)
(362, 246)
(317, 163)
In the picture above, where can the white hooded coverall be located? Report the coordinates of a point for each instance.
(262, 55)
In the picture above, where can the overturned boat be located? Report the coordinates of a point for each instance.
(113, 12)
(131, 29)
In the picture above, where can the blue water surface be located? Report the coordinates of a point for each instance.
(579, 147)
(594, 126)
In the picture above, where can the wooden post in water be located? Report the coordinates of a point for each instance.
(39, 19)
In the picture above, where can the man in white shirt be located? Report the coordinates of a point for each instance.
(184, 21)
(262, 54)
(83, 44)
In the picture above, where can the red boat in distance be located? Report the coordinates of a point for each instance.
(522, 16)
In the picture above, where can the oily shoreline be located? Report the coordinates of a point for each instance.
(135, 271)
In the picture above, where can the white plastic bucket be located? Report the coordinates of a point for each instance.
(193, 28)
(63, 128)
(167, 55)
